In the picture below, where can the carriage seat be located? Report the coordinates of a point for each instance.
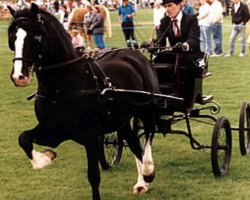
(182, 78)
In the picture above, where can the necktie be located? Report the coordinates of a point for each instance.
(177, 33)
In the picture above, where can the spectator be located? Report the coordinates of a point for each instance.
(215, 19)
(240, 16)
(227, 2)
(97, 27)
(187, 8)
(63, 16)
(205, 38)
(126, 12)
(158, 13)
(56, 6)
(77, 40)
(87, 21)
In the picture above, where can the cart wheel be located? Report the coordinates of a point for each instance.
(221, 149)
(244, 140)
(110, 149)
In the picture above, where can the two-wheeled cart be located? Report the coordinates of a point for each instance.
(180, 78)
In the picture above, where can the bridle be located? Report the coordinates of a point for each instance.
(42, 68)
(92, 66)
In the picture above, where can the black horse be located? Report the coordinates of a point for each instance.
(69, 103)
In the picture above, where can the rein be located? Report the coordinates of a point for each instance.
(92, 66)
(62, 64)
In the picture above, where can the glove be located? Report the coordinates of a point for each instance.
(185, 46)
(177, 47)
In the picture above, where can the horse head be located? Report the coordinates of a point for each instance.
(34, 36)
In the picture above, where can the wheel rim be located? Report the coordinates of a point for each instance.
(223, 150)
(244, 132)
(112, 148)
(221, 147)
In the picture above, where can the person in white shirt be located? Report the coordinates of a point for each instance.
(205, 33)
(158, 13)
(215, 19)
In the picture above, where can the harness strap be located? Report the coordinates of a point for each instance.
(93, 66)
(62, 64)
(22, 59)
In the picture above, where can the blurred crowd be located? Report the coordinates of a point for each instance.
(92, 29)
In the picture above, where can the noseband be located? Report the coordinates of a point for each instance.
(23, 59)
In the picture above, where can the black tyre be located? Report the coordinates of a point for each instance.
(244, 132)
(110, 149)
(221, 149)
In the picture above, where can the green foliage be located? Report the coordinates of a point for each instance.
(181, 173)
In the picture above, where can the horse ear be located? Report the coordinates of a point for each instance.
(34, 9)
(12, 11)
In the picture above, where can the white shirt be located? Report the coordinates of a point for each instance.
(236, 7)
(215, 14)
(203, 14)
(178, 17)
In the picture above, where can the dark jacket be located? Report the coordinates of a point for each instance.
(242, 14)
(190, 32)
(97, 24)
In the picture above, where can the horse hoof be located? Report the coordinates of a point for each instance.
(51, 154)
(149, 178)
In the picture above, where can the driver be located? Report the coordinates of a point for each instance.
(179, 28)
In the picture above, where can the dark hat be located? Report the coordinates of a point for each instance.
(170, 1)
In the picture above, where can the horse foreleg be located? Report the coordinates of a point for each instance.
(38, 160)
(93, 168)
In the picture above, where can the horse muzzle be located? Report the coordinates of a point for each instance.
(21, 81)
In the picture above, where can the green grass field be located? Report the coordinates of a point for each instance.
(181, 173)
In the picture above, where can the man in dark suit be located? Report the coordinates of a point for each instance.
(179, 27)
(179, 32)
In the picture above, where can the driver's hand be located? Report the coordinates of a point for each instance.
(185, 46)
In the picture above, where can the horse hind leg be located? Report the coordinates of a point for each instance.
(146, 169)
(132, 139)
(39, 160)
(134, 144)
(148, 163)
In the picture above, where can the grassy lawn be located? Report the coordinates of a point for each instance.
(181, 173)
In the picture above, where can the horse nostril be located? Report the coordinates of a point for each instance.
(21, 77)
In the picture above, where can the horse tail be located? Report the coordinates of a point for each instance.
(107, 21)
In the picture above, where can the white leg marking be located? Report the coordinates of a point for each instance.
(141, 186)
(19, 43)
(148, 163)
(40, 160)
